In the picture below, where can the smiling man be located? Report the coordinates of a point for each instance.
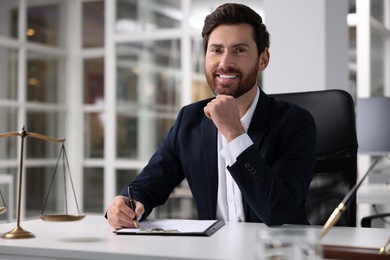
(246, 156)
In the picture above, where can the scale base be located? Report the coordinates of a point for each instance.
(18, 233)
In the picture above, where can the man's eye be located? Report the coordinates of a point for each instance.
(240, 50)
(215, 50)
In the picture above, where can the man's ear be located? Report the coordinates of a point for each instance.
(264, 59)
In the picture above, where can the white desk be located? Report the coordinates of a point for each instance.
(92, 238)
(374, 193)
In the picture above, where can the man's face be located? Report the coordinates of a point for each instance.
(232, 61)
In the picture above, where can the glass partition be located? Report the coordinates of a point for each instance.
(93, 24)
(378, 10)
(94, 81)
(139, 133)
(9, 145)
(43, 23)
(49, 123)
(124, 177)
(92, 189)
(38, 180)
(9, 18)
(200, 88)
(94, 135)
(149, 74)
(378, 64)
(45, 82)
(8, 73)
(148, 88)
(147, 15)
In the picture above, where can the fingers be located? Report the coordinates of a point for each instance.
(139, 209)
(210, 108)
(207, 112)
(120, 215)
(224, 112)
(220, 106)
(117, 213)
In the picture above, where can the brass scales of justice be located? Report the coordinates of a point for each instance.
(18, 231)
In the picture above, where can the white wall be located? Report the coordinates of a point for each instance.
(309, 45)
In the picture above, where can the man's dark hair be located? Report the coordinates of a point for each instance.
(232, 13)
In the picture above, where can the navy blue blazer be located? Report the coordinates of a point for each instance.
(273, 174)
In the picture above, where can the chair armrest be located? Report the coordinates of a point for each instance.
(366, 221)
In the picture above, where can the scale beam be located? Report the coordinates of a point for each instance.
(18, 232)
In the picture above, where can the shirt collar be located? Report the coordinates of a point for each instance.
(247, 118)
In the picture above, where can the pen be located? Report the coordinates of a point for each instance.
(132, 205)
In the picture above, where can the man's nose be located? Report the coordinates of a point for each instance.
(227, 61)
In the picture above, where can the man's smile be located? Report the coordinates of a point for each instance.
(225, 76)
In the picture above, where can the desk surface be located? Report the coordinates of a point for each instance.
(92, 238)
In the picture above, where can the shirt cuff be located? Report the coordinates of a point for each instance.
(233, 149)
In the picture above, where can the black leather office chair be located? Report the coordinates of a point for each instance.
(367, 221)
(336, 170)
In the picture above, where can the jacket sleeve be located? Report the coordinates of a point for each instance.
(153, 185)
(274, 178)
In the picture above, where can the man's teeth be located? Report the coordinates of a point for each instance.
(227, 76)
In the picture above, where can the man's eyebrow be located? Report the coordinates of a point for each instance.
(234, 45)
(241, 45)
(215, 45)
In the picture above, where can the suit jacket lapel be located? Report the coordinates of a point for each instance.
(257, 130)
(259, 125)
(209, 149)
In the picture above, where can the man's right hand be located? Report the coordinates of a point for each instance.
(120, 215)
(224, 112)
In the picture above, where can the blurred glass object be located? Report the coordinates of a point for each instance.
(288, 244)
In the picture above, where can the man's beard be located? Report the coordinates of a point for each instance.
(235, 90)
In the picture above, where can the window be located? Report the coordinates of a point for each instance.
(32, 91)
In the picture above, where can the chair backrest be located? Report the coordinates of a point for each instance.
(336, 169)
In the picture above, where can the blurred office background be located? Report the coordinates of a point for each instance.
(111, 75)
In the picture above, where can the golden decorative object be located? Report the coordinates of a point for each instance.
(335, 216)
(64, 217)
(385, 249)
(18, 232)
(3, 210)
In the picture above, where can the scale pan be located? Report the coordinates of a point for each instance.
(3, 210)
(64, 218)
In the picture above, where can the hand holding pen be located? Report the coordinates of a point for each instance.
(132, 206)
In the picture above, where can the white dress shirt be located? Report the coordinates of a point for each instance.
(229, 200)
